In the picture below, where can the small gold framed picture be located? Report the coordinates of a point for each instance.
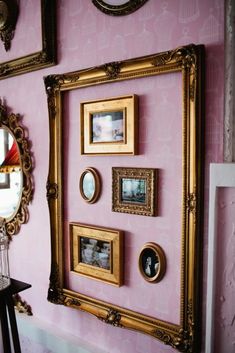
(90, 185)
(97, 252)
(109, 126)
(133, 190)
(152, 262)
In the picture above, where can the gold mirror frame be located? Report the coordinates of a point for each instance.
(188, 61)
(97, 185)
(119, 10)
(11, 123)
(41, 59)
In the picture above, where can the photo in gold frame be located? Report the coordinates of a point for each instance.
(152, 262)
(109, 126)
(47, 56)
(134, 190)
(97, 253)
(188, 61)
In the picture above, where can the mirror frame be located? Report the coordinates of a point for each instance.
(189, 61)
(41, 59)
(97, 186)
(11, 123)
(119, 10)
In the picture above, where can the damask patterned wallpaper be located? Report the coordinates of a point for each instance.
(87, 37)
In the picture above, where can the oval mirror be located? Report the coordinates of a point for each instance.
(90, 185)
(15, 172)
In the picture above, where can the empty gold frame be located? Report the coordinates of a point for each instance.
(46, 56)
(17, 165)
(187, 61)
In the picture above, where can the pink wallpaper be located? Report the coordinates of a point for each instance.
(87, 37)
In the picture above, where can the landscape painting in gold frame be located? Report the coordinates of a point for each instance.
(188, 61)
(109, 126)
(97, 252)
(133, 190)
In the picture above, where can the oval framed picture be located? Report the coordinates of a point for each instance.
(90, 185)
(152, 262)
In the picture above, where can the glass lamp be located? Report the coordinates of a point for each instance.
(4, 263)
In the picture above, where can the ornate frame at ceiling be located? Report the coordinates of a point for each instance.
(41, 59)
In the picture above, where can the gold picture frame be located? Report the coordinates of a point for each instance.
(90, 185)
(188, 61)
(97, 253)
(120, 8)
(109, 126)
(152, 262)
(133, 190)
(47, 56)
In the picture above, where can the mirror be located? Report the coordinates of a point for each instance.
(90, 185)
(15, 172)
(118, 7)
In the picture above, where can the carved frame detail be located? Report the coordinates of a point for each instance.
(41, 59)
(12, 123)
(188, 61)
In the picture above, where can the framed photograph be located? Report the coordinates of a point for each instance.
(133, 190)
(97, 252)
(90, 185)
(152, 262)
(109, 126)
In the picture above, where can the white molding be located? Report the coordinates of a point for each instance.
(229, 88)
(221, 175)
(50, 338)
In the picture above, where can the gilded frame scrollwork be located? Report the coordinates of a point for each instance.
(188, 61)
(46, 56)
(11, 122)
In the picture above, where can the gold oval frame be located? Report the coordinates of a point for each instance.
(97, 189)
(12, 125)
(162, 262)
(119, 10)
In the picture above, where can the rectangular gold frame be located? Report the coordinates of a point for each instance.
(41, 59)
(126, 104)
(114, 275)
(118, 205)
(188, 61)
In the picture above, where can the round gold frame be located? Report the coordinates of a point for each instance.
(160, 256)
(119, 10)
(97, 187)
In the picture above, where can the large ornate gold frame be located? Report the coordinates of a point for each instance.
(41, 59)
(187, 60)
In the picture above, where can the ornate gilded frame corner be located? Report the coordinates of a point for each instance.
(11, 122)
(145, 208)
(188, 61)
(47, 56)
(119, 10)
